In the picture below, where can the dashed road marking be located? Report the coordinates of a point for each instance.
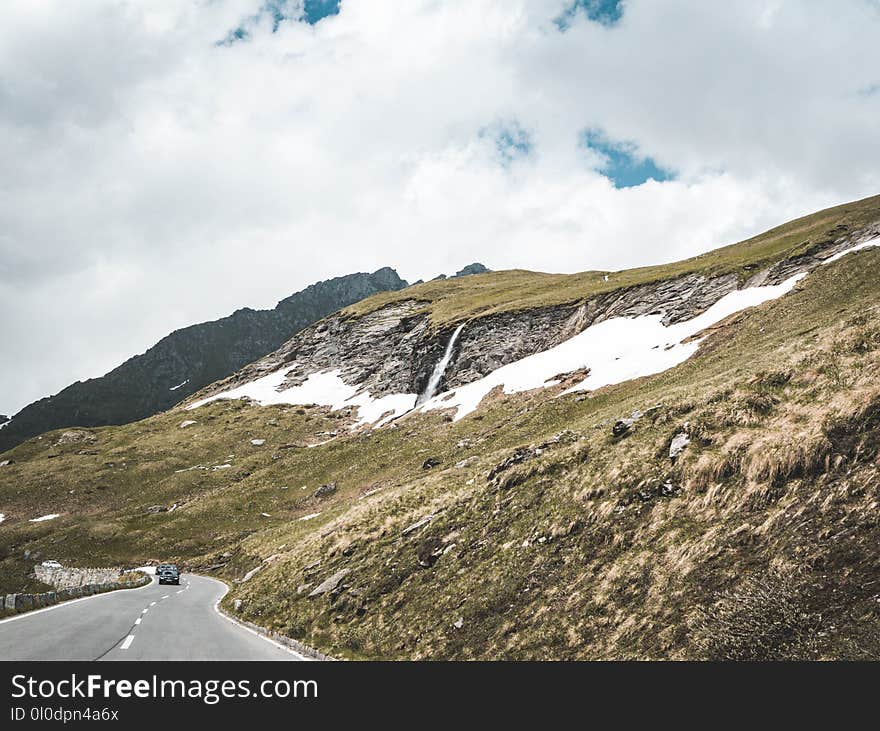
(152, 604)
(127, 643)
(145, 610)
(137, 621)
(165, 597)
(180, 592)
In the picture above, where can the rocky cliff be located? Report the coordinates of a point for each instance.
(393, 349)
(189, 359)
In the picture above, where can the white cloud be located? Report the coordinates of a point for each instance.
(152, 179)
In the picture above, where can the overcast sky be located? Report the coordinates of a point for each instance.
(165, 162)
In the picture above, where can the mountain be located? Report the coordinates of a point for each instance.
(189, 359)
(677, 461)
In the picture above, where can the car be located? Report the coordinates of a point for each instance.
(168, 573)
(51, 565)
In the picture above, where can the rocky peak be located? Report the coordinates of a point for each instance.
(475, 268)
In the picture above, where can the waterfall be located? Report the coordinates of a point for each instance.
(439, 369)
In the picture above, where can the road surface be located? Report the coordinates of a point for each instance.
(154, 622)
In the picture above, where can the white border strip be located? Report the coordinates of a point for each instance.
(234, 621)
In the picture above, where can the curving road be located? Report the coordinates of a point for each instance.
(151, 623)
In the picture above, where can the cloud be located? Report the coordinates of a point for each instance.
(153, 178)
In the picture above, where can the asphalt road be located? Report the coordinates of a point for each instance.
(154, 622)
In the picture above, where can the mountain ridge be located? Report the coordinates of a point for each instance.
(189, 358)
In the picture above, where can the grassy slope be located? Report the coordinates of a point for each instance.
(459, 299)
(621, 571)
(575, 554)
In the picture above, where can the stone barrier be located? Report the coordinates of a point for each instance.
(18, 603)
(68, 578)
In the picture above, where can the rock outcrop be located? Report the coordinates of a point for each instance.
(394, 349)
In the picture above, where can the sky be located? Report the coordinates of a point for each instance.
(168, 162)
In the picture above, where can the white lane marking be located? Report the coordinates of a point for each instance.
(180, 592)
(145, 610)
(104, 595)
(137, 621)
(165, 597)
(152, 604)
(127, 643)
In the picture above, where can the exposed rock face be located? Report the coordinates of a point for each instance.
(190, 359)
(394, 349)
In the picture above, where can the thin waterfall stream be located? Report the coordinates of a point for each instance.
(439, 369)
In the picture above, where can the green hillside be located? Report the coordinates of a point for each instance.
(538, 534)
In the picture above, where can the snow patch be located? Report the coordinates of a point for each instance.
(858, 247)
(2, 517)
(617, 350)
(325, 389)
(179, 385)
(310, 516)
(42, 518)
(614, 350)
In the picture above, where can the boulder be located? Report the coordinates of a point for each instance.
(621, 427)
(325, 490)
(430, 463)
(153, 509)
(429, 552)
(330, 583)
(519, 455)
(418, 524)
(73, 436)
(678, 445)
